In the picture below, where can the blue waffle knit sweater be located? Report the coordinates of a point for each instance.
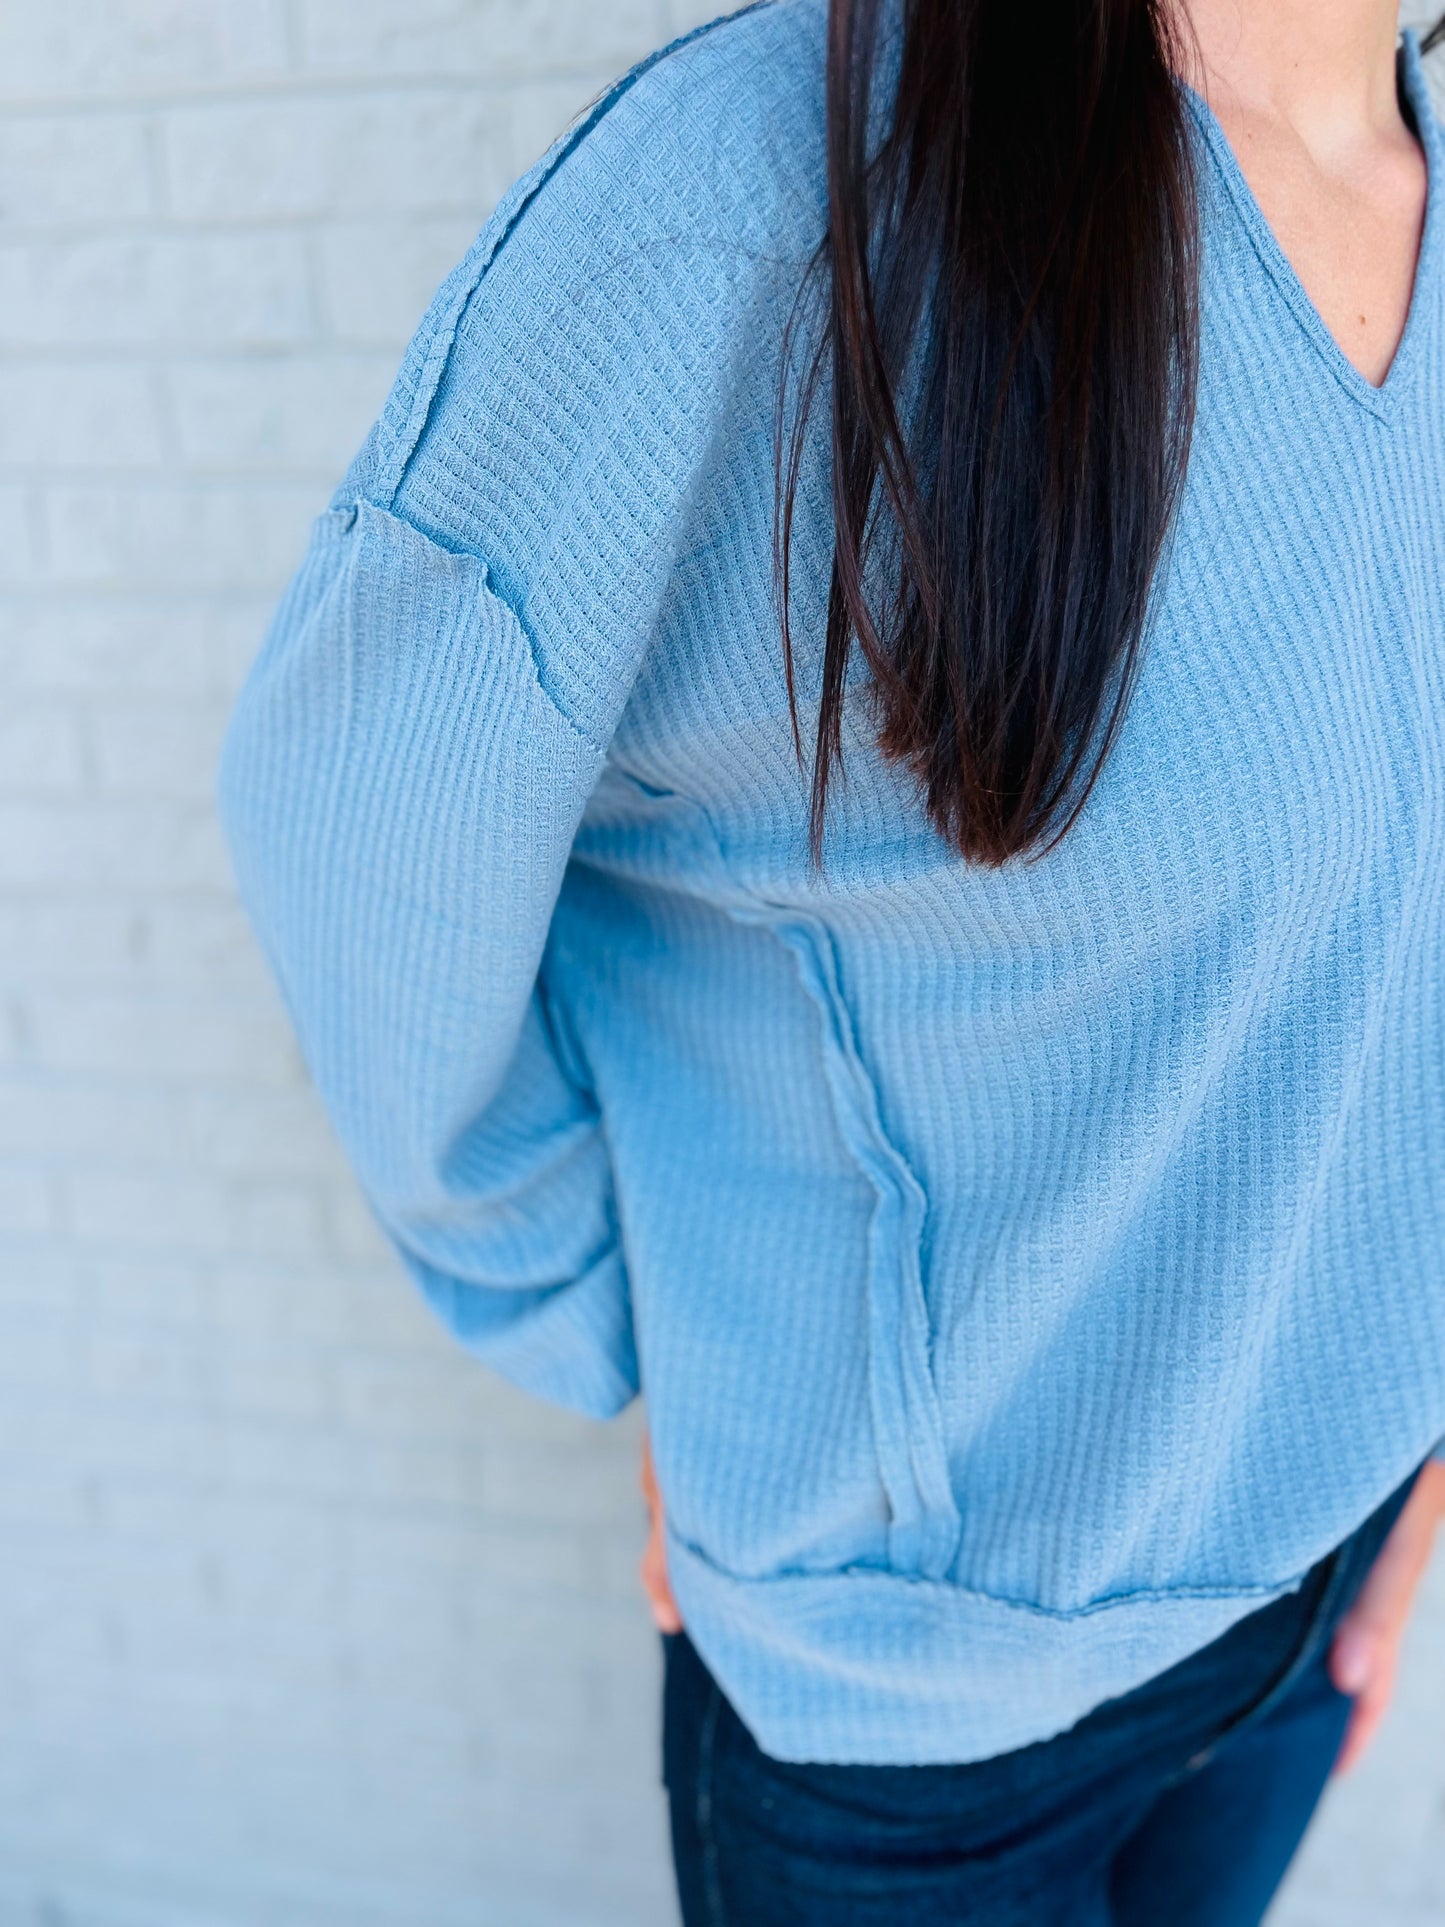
(1029, 1271)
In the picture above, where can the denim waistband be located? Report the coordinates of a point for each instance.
(1185, 1711)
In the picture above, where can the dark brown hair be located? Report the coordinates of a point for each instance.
(1010, 347)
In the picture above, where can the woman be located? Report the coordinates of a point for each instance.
(849, 803)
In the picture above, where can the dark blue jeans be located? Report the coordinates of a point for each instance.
(1179, 1804)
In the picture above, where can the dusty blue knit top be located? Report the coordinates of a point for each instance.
(1029, 1271)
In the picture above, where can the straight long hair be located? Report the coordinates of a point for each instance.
(1010, 341)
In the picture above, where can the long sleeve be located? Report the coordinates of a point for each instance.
(400, 797)
(402, 781)
(443, 684)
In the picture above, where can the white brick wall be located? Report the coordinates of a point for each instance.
(304, 1620)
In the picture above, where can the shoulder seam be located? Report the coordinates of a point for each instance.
(403, 421)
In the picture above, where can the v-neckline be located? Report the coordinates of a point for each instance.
(1380, 399)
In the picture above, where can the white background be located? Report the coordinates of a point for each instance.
(304, 1619)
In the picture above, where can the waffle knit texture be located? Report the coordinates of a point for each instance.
(1029, 1271)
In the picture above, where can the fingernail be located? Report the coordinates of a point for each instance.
(1354, 1661)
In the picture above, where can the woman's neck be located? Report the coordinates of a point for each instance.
(1325, 68)
(1306, 93)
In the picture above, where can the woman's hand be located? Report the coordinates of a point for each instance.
(1366, 1647)
(654, 1557)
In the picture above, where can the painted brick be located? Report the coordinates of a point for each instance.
(164, 1037)
(110, 850)
(239, 1132)
(492, 37)
(181, 1213)
(49, 179)
(542, 109)
(200, 945)
(26, 1200)
(304, 157)
(155, 291)
(20, 548)
(376, 277)
(681, 16)
(85, 1118)
(130, 645)
(155, 751)
(301, 1302)
(40, 750)
(113, 48)
(69, 414)
(263, 1133)
(51, 941)
(14, 1033)
(355, 1235)
(175, 534)
(299, 413)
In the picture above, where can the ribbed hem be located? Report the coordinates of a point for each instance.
(872, 1668)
